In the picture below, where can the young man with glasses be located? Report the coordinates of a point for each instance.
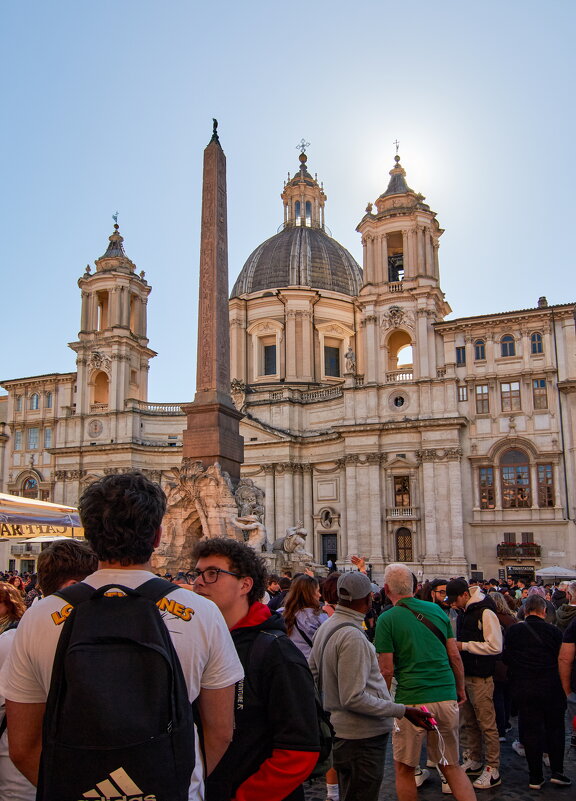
(275, 745)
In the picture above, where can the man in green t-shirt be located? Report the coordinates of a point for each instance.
(424, 659)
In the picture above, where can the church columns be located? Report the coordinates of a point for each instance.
(291, 372)
(269, 501)
(421, 260)
(350, 546)
(430, 269)
(429, 495)
(456, 522)
(371, 347)
(308, 506)
(384, 258)
(406, 252)
(85, 312)
(307, 342)
(375, 549)
(367, 275)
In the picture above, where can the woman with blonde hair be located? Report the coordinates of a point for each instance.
(302, 612)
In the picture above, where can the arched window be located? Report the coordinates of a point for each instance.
(34, 401)
(536, 343)
(404, 545)
(30, 488)
(297, 214)
(479, 350)
(507, 346)
(48, 400)
(515, 474)
(101, 388)
(308, 213)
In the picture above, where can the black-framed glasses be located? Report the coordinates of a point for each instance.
(210, 575)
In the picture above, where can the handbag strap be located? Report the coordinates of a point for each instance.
(303, 634)
(424, 620)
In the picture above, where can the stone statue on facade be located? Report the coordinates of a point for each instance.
(294, 542)
(257, 538)
(249, 499)
(238, 393)
(350, 361)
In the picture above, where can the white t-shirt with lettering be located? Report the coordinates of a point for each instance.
(198, 630)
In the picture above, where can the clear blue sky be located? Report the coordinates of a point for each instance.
(108, 105)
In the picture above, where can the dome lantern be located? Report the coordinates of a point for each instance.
(303, 198)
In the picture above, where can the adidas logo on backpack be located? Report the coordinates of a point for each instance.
(118, 782)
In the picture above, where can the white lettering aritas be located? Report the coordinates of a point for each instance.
(122, 798)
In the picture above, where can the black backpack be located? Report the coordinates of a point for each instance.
(118, 720)
(325, 728)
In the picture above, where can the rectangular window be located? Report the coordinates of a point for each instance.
(33, 438)
(482, 401)
(269, 359)
(401, 491)
(527, 538)
(539, 393)
(516, 487)
(17, 440)
(479, 350)
(487, 488)
(461, 355)
(510, 537)
(510, 394)
(462, 393)
(19, 403)
(48, 401)
(47, 437)
(331, 361)
(545, 485)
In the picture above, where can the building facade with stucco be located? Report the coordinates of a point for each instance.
(387, 429)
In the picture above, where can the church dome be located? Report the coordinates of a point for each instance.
(300, 256)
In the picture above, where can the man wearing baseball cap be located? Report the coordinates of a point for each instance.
(345, 667)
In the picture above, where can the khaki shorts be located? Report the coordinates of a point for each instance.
(408, 740)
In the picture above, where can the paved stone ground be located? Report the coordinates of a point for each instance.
(514, 787)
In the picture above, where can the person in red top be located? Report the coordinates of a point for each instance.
(276, 738)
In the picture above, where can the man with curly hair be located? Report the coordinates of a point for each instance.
(122, 518)
(275, 738)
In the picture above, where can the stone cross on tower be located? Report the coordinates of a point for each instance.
(212, 433)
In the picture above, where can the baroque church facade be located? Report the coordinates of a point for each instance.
(386, 429)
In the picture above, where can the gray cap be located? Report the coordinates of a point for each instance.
(353, 586)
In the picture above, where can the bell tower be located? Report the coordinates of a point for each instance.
(112, 348)
(401, 297)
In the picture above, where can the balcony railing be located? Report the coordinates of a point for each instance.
(98, 407)
(402, 511)
(397, 376)
(395, 286)
(510, 550)
(154, 408)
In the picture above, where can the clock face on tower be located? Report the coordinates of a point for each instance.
(95, 428)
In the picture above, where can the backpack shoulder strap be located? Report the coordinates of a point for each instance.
(156, 588)
(303, 634)
(428, 623)
(76, 593)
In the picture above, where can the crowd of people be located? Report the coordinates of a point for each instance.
(445, 664)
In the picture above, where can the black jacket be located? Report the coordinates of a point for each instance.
(469, 629)
(531, 653)
(275, 707)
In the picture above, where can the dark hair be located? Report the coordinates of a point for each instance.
(121, 514)
(243, 560)
(534, 603)
(329, 588)
(62, 561)
(12, 597)
(18, 583)
(273, 579)
(300, 596)
(285, 583)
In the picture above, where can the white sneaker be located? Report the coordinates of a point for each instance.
(518, 748)
(471, 766)
(420, 776)
(446, 787)
(489, 777)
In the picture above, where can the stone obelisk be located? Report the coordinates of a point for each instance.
(212, 433)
